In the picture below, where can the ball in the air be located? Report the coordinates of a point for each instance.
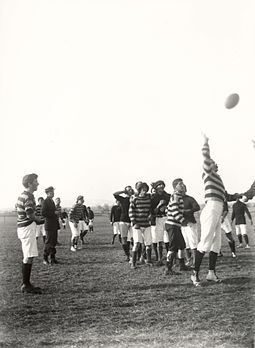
(232, 100)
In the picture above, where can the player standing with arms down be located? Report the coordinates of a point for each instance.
(210, 218)
(227, 228)
(51, 215)
(159, 202)
(26, 230)
(115, 221)
(140, 216)
(76, 220)
(238, 214)
(91, 217)
(174, 221)
(189, 227)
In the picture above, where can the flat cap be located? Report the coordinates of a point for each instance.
(49, 189)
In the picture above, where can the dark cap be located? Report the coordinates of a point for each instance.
(159, 182)
(79, 198)
(49, 189)
(28, 179)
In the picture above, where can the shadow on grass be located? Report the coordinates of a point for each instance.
(157, 286)
(239, 280)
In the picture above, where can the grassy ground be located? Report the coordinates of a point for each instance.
(94, 299)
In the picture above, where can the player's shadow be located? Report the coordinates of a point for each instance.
(238, 281)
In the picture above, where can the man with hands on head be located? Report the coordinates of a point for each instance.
(124, 198)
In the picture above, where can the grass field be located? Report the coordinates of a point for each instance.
(94, 299)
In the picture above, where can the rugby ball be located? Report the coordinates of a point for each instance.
(232, 100)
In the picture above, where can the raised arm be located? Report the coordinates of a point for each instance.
(208, 162)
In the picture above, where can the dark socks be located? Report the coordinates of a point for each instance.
(240, 238)
(126, 249)
(160, 249)
(26, 272)
(139, 251)
(212, 260)
(155, 249)
(198, 260)
(148, 254)
(134, 257)
(245, 237)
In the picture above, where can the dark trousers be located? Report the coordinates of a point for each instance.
(50, 243)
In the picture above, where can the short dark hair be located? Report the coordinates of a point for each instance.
(143, 185)
(176, 182)
(28, 179)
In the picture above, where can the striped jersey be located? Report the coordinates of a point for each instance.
(25, 204)
(77, 213)
(175, 210)
(140, 210)
(214, 187)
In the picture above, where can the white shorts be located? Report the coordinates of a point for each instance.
(157, 232)
(130, 234)
(124, 228)
(74, 230)
(166, 237)
(27, 236)
(142, 235)
(226, 225)
(40, 230)
(116, 228)
(90, 223)
(190, 235)
(241, 229)
(210, 220)
(83, 226)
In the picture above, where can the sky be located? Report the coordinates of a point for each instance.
(96, 95)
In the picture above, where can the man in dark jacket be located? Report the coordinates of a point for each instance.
(50, 213)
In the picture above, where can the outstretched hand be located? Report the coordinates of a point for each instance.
(205, 137)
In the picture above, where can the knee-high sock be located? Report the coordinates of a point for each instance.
(148, 254)
(160, 250)
(26, 272)
(198, 260)
(139, 251)
(134, 257)
(212, 260)
(155, 248)
(246, 239)
(240, 238)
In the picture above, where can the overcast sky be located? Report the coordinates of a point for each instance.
(96, 95)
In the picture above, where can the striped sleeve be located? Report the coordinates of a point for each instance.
(207, 164)
(25, 206)
(132, 211)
